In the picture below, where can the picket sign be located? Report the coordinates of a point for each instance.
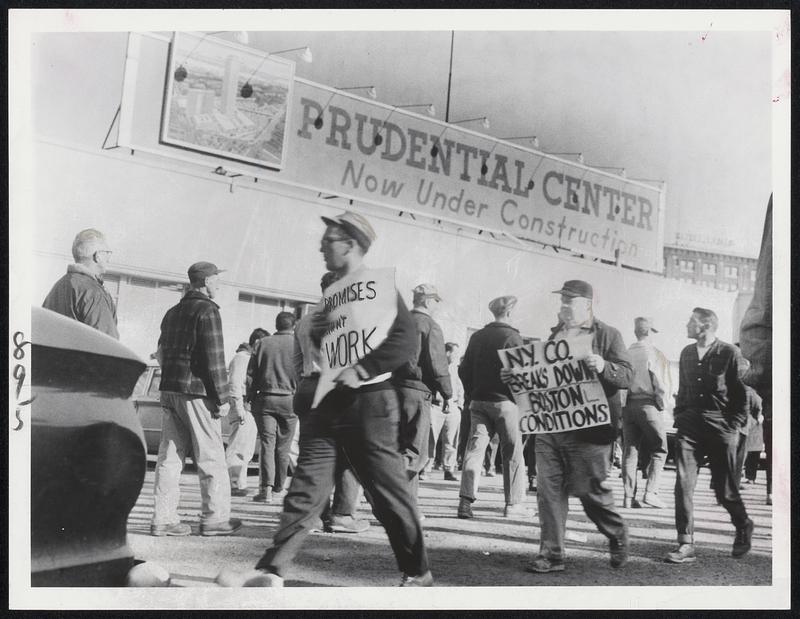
(553, 387)
(361, 309)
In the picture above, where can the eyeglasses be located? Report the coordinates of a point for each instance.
(328, 240)
(104, 251)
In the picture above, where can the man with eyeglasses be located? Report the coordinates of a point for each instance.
(80, 294)
(359, 418)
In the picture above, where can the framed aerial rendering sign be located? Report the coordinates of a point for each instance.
(226, 100)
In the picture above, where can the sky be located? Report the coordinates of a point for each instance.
(691, 108)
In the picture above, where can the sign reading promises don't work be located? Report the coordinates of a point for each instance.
(361, 309)
(553, 387)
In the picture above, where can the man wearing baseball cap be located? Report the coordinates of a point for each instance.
(359, 418)
(642, 418)
(422, 378)
(194, 396)
(576, 462)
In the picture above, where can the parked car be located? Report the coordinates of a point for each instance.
(146, 400)
(87, 453)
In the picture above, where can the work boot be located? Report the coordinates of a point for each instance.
(251, 578)
(542, 565)
(465, 509)
(450, 476)
(618, 549)
(684, 553)
(264, 496)
(221, 528)
(423, 580)
(651, 499)
(176, 529)
(516, 510)
(628, 503)
(743, 539)
(346, 524)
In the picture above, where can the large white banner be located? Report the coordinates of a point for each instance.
(425, 166)
(361, 309)
(341, 144)
(553, 387)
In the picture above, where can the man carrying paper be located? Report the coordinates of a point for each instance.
(575, 461)
(366, 332)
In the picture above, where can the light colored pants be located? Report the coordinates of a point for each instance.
(446, 426)
(187, 423)
(488, 418)
(643, 428)
(564, 466)
(241, 445)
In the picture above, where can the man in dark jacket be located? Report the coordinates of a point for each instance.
(576, 462)
(709, 410)
(194, 396)
(80, 294)
(272, 390)
(424, 376)
(492, 409)
(360, 419)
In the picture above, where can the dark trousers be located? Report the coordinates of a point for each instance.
(415, 429)
(741, 454)
(346, 486)
(705, 433)
(364, 425)
(464, 431)
(276, 423)
(751, 462)
(767, 427)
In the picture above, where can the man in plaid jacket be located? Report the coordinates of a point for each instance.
(194, 396)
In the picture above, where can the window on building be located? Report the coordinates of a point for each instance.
(687, 266)
(141, 305)
(709, 268)
(731, 271)
(752, 275)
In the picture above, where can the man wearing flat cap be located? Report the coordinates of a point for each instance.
(643, 424)
(576, 462)
(194, 396)
(423, 377)
(492, 409)
(359, 418)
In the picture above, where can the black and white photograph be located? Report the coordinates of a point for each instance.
(306, 307)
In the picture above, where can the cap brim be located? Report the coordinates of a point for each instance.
(331, 222)
(654, 330)
(566, 293)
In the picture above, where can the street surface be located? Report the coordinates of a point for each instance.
(487, 551)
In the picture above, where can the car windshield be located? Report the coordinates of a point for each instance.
(141, 384)
(153, 390)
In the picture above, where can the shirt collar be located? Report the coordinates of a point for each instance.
(421, 310)
(79, 268)
(196, 294)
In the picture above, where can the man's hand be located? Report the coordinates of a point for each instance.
(446, 406)
(221, 411)
(596, 363)
(348, 378)
(506, 374)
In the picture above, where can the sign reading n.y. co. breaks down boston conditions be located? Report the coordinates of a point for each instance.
(553, 387)
(361, 308)
(443, 171)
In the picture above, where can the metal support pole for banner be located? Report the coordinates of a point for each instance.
(449, 78)
(110, 128)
